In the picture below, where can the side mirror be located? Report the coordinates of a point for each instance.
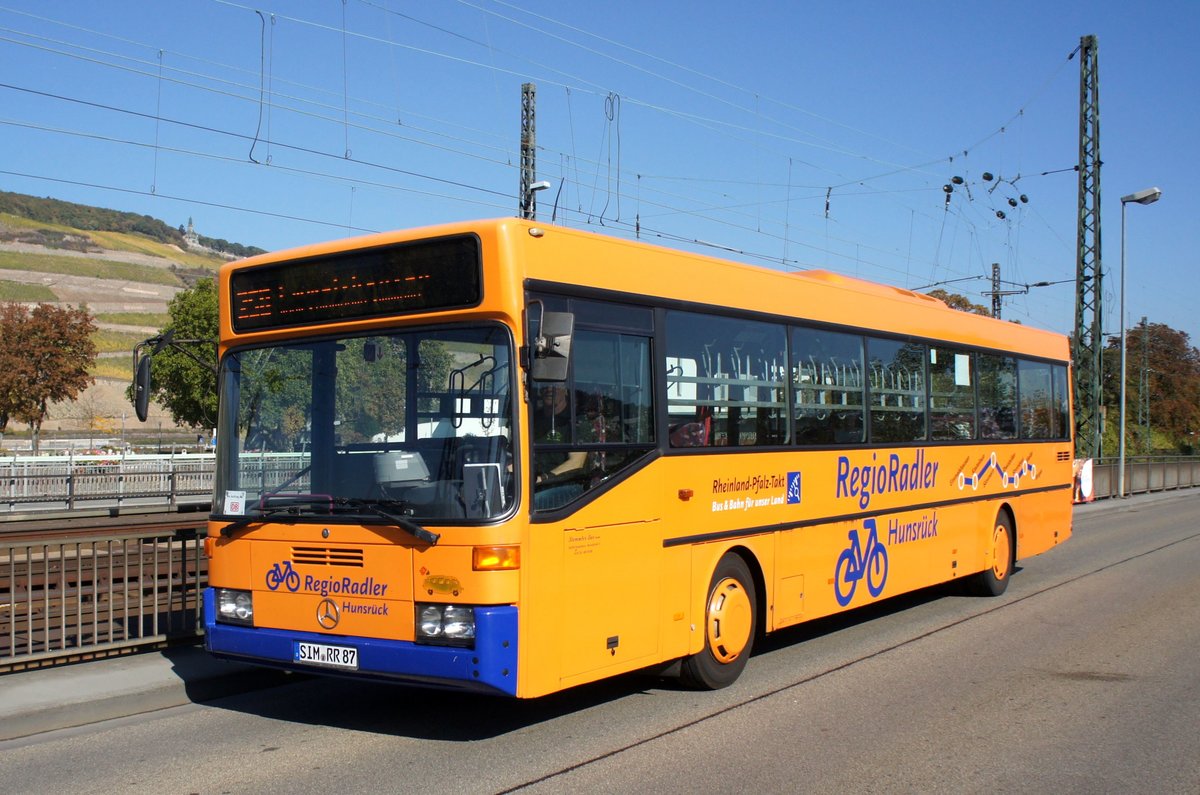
(141, 365)
(552, 347)
(141, 388)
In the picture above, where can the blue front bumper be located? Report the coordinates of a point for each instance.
(489, 667)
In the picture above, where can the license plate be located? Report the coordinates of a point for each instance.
(331, 656)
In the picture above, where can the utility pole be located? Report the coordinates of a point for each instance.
(998, 294)
(1088, 347)
(996, 290)
(528, 197)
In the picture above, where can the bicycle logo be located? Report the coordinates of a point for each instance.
(855, 562)
(283, 574)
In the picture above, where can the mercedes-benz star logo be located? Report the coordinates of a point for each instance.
(328, 614)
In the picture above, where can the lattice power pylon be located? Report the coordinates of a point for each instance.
(528, 197)
(1089, 295)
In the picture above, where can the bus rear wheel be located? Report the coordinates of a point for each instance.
(730, 624)
(993, 580)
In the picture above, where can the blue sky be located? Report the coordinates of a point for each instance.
(789, 134)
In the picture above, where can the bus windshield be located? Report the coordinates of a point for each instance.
(413, 424)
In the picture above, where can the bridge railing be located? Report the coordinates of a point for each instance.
(1145, 474)
(74, 598)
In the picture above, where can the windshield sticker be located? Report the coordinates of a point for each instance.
(235, 503)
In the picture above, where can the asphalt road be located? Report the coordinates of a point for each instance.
(1083, 677)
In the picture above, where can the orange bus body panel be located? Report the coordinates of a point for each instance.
(621, 582)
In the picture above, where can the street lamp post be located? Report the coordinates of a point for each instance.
(1147, 196)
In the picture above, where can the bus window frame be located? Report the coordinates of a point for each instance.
(591, 316)
(325, 335)
(562, 293)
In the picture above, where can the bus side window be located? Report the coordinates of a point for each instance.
(1037, 403)
(1062, 404)
(897, 387)
(726, 381)
(601, 421)
(997, 396)
(951, 394)
(827, 387)
(690, 423)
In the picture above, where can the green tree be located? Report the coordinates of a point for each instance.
(13, 399)
(275, 394)
(960, 302)
(372, 396)
(182, 385)
(1173, 383)
(45, 358)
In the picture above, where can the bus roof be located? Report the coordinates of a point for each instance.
(555, 254)
(814, 295)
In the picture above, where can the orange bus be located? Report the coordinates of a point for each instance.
(515, 458)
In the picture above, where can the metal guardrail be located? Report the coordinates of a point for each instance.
(41, 483)
(30, 483)
(1145, 474)
(88, 596)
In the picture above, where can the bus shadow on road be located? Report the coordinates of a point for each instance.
(422, 713)
(821, 627)
(455, 716)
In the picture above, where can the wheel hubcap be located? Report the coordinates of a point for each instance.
(730, 618)
(1001, 551)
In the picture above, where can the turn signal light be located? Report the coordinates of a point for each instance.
(495, 558)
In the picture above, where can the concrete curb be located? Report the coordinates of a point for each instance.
(65, 697)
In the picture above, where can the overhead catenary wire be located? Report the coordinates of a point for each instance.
(271, 104)
(662, 234)
(306, 22)
(310, 173)
(653, 201)
(896, 168)
(245, 137)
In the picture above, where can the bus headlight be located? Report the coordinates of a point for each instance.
(235, 607)
(445, 625)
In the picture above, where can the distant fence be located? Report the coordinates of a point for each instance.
(76, 481)
(58, 482)
(1144, 474)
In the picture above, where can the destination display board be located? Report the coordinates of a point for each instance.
(405, 278)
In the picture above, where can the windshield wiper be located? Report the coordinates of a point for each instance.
(292, 508)
(403, 522)
(246, 521)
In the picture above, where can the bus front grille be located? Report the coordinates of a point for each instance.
(326, 556)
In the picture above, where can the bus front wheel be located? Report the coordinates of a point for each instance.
(730, 623)
(993, 580)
